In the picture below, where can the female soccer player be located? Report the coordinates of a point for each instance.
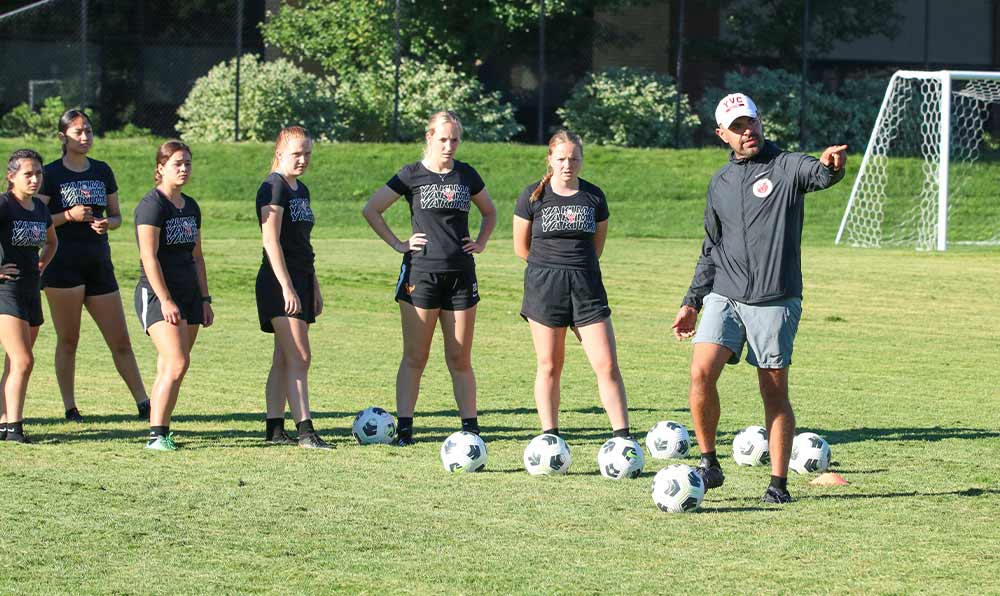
(288, 294)
(437, 281)
(171, 298)
(82, 196)
(560, 225)
(27, 244)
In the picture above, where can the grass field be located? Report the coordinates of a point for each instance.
(894, 365)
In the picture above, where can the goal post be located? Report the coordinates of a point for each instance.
(921, 166)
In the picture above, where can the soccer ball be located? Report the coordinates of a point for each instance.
(373, 425)
(750, 447)
(620, 458)
(463, 452)
(547, 454)
(668, 439)
(810, 453)
(678, 488)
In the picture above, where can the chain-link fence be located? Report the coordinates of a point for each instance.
(127, 62)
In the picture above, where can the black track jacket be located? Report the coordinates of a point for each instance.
(753, 226)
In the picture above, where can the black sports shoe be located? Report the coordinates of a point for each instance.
(16, 437)
(281, 438)
(143, 408)
(312, 441)
(73, 415)
(776, 496)
(403, 441)
(3, 433)
(712, 476)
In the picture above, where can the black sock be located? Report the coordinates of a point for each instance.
(552, 431)
(779, 483)
(471, 425)
(16, 428)
(158, 431)
(709, 460)
(274, 426)
(305, 427)
(404, 428)
(622, 432)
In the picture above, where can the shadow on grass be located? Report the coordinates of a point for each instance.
(930, 433)
(969, 492)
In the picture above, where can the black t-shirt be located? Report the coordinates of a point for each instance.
(562, 228)
(22, 234)
(439, 207)
(178, 235)
(66, 189)
(296, 221)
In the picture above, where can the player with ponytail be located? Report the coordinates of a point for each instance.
(288, 293)
(560, 225)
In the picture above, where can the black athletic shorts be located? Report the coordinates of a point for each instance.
(271, 304)
(90, 268)
(22, 298)
(447, 290)
(188, 300)
(564, 297)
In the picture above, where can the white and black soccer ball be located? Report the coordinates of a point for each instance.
(678, 488)
(463, 452)
(810, 453)
(547, 454)
(750, 447)
(373, 425)
(668, 439)
(619, 458)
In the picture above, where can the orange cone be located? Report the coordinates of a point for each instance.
(829, 479)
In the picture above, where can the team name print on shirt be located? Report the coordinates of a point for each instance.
(83, 192)
(181, 230)
(577, 218)
(27, 233)
(300, 210)
(445, 196)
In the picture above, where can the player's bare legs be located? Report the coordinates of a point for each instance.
(550, 354)
(778, 416)
(458, 327)
(418, 332)
(598, 342)
(703, 395)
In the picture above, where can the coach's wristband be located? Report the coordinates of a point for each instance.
(207, 299)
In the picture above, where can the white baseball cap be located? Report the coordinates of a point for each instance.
(732, 107)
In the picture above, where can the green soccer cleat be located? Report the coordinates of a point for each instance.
(161, 443)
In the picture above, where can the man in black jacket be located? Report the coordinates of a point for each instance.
(748, 280)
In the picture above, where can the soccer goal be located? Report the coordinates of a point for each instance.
(922, 171)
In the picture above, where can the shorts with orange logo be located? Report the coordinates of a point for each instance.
(447, 290)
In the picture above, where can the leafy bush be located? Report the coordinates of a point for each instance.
(366, 102)
(628, 107)
(130, 131)
(844, 116)
(273, 95)
(22, 121)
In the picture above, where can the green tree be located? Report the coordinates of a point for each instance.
(773, 28)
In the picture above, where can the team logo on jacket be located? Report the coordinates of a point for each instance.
(577, 218)
(27, 233)
(300, 210)
(181, 230)
(83, 192)
(445, 196)
(762, 188)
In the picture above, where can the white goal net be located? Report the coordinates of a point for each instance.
(923, 181)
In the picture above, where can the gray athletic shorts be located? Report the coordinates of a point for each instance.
(767, 328)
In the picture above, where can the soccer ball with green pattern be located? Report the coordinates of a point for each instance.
(373, 425)
(463, 452)
(620, 458)
(678, 489)
(547, 454)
